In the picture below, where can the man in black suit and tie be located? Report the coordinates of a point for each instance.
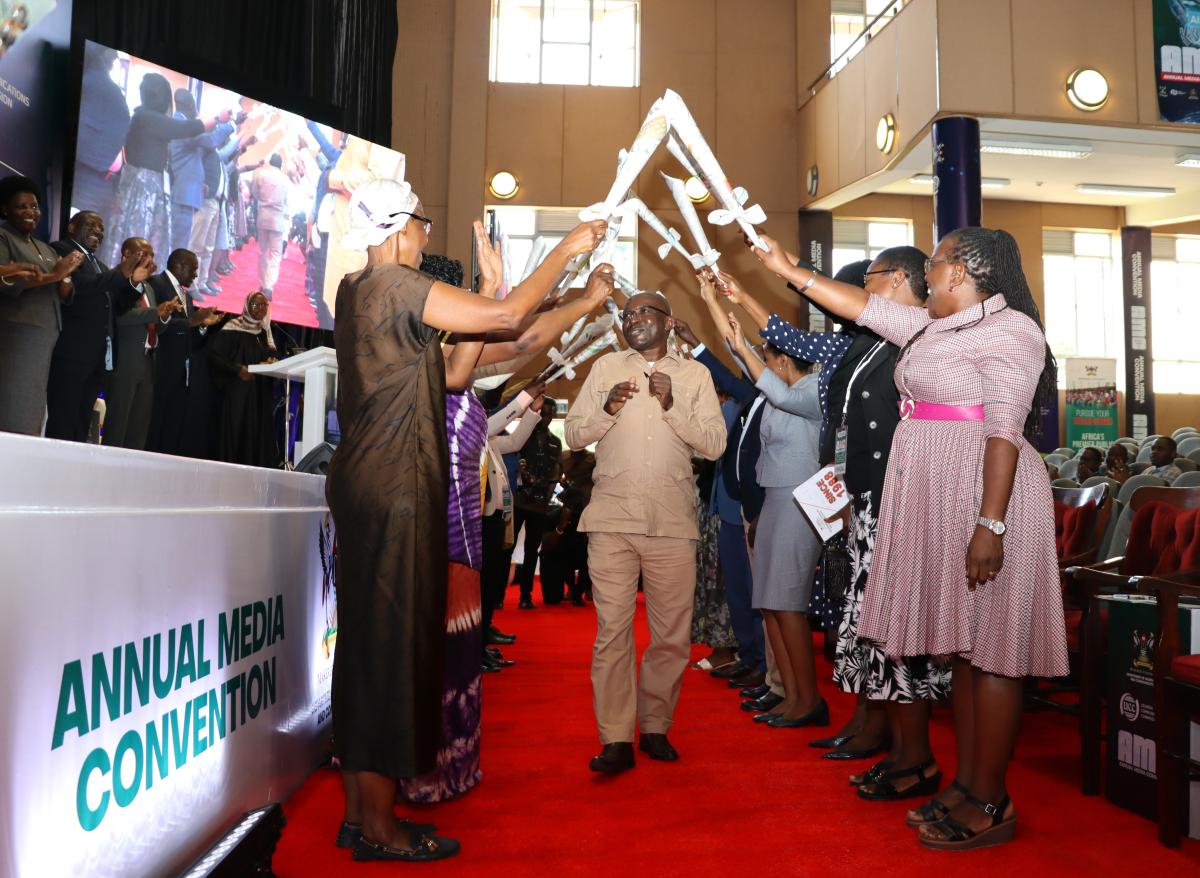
(88, 346)
(178, 422)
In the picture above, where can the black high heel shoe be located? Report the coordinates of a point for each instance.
(866, 753)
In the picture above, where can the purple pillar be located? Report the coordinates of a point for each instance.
(956, 192)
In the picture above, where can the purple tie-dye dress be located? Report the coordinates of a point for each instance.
(458, 759)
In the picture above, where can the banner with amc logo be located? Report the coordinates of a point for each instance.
(1131, 772)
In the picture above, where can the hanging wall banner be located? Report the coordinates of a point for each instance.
(1091, 403)
(1177, 60)
(1139, 361)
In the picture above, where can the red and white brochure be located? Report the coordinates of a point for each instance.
(822, 497)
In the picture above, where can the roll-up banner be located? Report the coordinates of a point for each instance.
(1091, 396)
(1139, 360)
(816, 247)
(169, 654)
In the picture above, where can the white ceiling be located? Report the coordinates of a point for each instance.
(1120, 156)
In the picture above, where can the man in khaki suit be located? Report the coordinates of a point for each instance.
(647, 410)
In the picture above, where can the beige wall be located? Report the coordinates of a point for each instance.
(736, 71)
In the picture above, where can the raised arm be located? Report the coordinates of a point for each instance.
(732, 332)
(845, 300)
(549, 325)
(456, 310)
(724, 380)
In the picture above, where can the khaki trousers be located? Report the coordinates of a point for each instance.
(668, 568)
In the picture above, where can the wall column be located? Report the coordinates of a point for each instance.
(957, 197)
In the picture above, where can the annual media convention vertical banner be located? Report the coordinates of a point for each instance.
(170, 658)
(35, 39)
(1177, 60)
(1139, 360)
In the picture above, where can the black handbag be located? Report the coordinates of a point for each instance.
(836, 570)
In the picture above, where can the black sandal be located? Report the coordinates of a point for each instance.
(960, 837)
(424, 848)
(933, 810)
(871, 775)
(884, 790)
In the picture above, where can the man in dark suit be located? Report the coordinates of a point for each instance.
(88, 345)
(131, 388)
(181, 371)
(186, 166)
(738, 497)
(103, 124)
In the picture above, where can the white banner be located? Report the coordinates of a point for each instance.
(168, 653)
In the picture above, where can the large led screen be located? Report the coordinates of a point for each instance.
(259, 194)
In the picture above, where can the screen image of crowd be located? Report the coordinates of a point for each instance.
(260, 195)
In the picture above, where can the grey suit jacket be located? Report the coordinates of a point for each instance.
(20, 303)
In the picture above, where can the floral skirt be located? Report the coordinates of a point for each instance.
(458, 759)
(861, 665)
(710, 613)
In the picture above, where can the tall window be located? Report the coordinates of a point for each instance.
(567, 42)
(847, 21)
(521, 227)
(1175, 314)
(865, 239)
(1082, 299)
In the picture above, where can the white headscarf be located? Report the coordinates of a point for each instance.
(246, 323)
(378, 209)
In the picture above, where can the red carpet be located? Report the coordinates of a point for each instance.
(743, 800)
(289, 302)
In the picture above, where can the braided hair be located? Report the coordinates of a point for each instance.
(993, 260)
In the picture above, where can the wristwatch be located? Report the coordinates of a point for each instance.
(996, 527)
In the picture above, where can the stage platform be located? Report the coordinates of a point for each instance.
(170, 626)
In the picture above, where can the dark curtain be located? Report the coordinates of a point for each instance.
(329, 60)
(326, 60)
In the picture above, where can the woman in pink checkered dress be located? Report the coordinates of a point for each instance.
(965, 562)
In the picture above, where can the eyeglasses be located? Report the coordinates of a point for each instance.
(641, 311)
(426, 221)
(885, 271)
(930, 263)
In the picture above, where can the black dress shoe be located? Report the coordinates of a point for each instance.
(818, 716)
(613, 759)
(577, 602)
(496, 637)
(489, 665)
(749, 679)
(525, 604)
(865, 753)
(755, 691)
(831, 742)
(764, 717)
(656, 746)
(763, 704)
(728, 672)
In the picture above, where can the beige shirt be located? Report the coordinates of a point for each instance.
(643, 478)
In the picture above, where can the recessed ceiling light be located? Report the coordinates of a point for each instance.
(1087, 89)
(1188, 160)
(1048, 148)
(1131, 191)
(985, 182)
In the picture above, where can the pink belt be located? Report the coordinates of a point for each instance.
(932, 411)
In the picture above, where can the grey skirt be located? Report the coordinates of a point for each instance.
(786, 549)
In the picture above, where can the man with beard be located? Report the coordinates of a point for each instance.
(87, 349)
(647, 410)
